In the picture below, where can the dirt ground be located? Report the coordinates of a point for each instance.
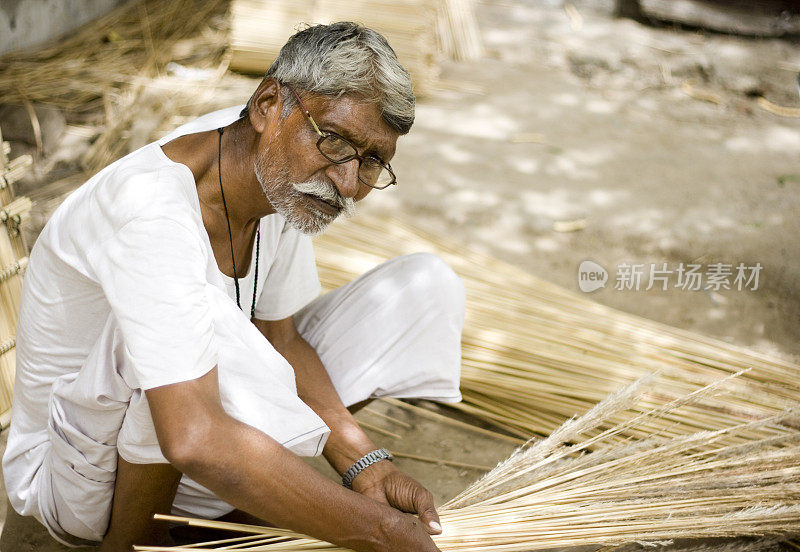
(592, 123)
(581, 122)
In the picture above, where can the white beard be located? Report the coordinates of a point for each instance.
(290, 201)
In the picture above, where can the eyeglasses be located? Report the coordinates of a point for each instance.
(371, 171)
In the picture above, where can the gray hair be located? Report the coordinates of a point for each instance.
(346, 58)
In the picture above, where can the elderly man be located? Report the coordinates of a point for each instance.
(173, 354)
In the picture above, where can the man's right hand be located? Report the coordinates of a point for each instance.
(253, 472)
(405, 532)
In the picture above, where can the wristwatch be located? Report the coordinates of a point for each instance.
(364, 462)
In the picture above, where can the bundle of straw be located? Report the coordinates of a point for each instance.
(535, 354)
(259, 28)
(117, 63)
(132, 43)
(458, 32)
(13, 260)
(551, 493)
(420, 32)
(14, 169)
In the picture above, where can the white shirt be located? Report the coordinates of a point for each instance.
(131, 243)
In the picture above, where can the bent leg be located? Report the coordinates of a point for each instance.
(393, 332)
(140, 491)
(99, 423)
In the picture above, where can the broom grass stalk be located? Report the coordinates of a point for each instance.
(569, 490)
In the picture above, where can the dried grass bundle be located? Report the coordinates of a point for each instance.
(554, 493)
(259, 28)
(133, 42)
(458, 32)
(117, 64)
(420, 32)
(535, 354)
(13, 260)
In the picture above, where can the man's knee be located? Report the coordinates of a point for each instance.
(433, 281)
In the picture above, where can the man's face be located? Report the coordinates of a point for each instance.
(303, 186)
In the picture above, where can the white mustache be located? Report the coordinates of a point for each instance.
(327, 192)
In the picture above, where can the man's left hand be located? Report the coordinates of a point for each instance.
(385, 483)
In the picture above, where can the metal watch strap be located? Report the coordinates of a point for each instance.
(362, 463)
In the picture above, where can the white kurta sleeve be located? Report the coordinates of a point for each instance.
(292, 281)
(153, 273)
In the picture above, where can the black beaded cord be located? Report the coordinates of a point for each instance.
(220, 130)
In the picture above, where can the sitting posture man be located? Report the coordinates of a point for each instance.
(141, 385)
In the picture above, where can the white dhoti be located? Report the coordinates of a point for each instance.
(393, 332)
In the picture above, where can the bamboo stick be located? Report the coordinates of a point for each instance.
(402, 424)
(444, 419)
(380, 430)
(433, 460)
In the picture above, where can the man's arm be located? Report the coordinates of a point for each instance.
(347, 441)
(254, 473)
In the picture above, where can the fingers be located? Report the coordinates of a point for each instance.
(415, 538)
(423, 504)
(407, 495)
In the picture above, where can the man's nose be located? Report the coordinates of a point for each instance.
(345, 177)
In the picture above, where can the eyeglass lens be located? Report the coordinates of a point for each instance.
(370, 171)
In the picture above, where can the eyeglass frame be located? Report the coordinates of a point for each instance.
(324, 135)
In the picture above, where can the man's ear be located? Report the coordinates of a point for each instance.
(265, 103)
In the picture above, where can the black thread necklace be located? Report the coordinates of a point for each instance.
(230, 236)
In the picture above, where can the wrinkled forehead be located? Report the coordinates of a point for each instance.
(360, 121)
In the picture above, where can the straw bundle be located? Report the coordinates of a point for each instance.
(419, 31)
(141, 109)
(458, 32)
(133, 42)
(535, 354)
(13, 260)
(14, 169)
(117, 63)
(551, 493)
